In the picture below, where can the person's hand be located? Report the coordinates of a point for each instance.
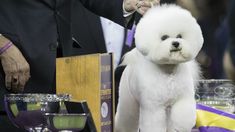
(16, 68)
(141, 6)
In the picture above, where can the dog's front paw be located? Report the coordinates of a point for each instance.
(178, 129)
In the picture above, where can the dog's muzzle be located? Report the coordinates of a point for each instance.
(175, 46)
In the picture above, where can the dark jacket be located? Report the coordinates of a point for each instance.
(89, 35)
(38, 27)
(231, 25)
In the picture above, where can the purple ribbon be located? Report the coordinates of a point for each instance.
(216, 111)
(130, 36)
(213, 129)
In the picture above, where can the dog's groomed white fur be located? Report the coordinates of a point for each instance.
(156, 92)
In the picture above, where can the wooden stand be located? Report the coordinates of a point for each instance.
(90, 78)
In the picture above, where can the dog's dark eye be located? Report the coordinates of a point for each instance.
(179, 36)
(164, 37)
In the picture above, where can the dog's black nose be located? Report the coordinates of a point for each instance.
(176, 44)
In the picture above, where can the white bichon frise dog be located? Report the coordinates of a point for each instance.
(156, 92)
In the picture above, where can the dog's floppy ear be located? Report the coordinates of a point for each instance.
(140, 43)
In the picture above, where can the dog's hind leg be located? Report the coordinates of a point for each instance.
(127, 116)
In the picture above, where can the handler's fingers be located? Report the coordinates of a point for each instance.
(140, 4)
(144, 5)
(143, 10)
(22, 81)
(140, 11)
(147, 3)
(8, 78)
(15, 82)
(155, 2)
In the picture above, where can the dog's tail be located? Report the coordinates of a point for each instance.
(131, 57)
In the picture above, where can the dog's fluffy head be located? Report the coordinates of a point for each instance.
(168, 34)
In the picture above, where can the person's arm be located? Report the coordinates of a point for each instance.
(229, 56)
(111, 9)
(231, 25)
(15, 67)
(114, 9)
